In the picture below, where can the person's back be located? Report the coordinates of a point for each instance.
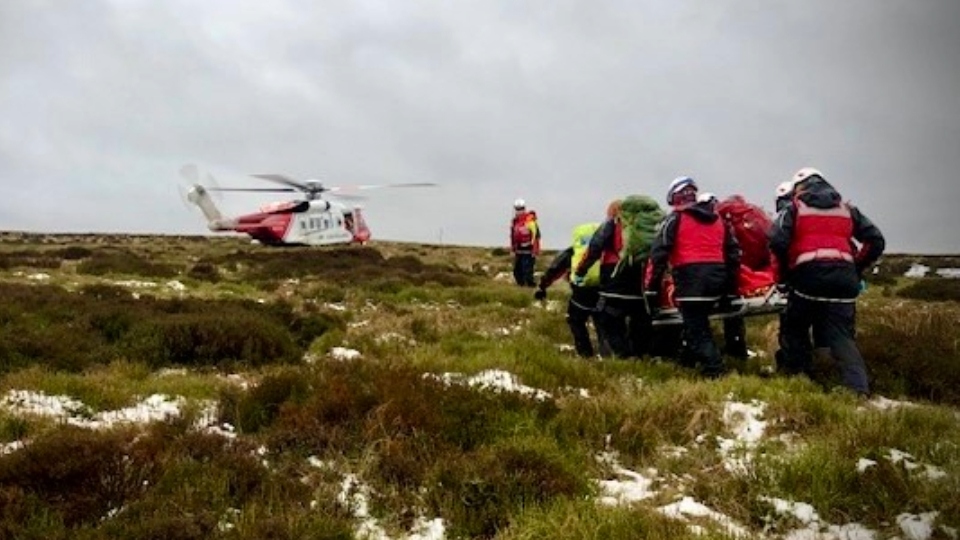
(812, 242)
(813, 239)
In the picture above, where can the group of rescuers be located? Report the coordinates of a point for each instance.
(623, 271)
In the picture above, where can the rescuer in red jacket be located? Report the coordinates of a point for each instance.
(821, 266)
(704, 257)
(524, 243)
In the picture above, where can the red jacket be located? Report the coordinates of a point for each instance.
(821, 234)
(525, 233)
(697, 242)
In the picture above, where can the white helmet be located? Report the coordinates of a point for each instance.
(519, 204)
(785, 188)
(805, 173)
(679, 184)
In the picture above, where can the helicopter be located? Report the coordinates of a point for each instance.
(310, 221)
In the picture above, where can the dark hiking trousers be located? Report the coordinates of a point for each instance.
(832, 322)
(626, 325)
(578, 317)
(699, 347)
(735, 337)
(523, 264)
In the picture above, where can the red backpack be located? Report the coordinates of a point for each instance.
(750, 224)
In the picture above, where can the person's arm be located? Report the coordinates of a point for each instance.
(598, 242)
(872, 242)
(660, 251)
(559, 267)
(780, 237)
(731, 257)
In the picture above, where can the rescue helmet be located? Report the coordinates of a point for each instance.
(785, 189)
(706, 197)
(806, 173)
(681, 184)
(519, 204)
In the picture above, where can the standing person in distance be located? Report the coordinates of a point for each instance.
(524, 243)
(821, 266)
(583, 294)
(704, 257)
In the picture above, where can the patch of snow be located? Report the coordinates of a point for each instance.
(910, 463)
(11, 447)
(503, 276)
(863, 464)
(76, 413)
(950, 273)
(689, 507)
(493, 379)
(358, 324)
(343, 353)
(563, 347)
(884, 404)
(629, 487)
(950, 531)
(917, 271)
(39, 276)
(917, 527)
(355, 496)
(175, 285)
(335, 306)
(674, 452)
(803, 512)
(135, 284)
(743, 420)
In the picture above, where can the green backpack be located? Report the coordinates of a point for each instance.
(639, 217)
(581, 241)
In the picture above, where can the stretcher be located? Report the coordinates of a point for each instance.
(770, 302)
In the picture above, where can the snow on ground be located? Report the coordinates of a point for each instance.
(493, 379)
(743, 421)
(884, 404)
(910, 463)
(917, 271)
(813, 527)
(688, 507)
(355, 495)
(917, 527)
(76, 413)
(343, 353)
(629, 487)
(952, 273)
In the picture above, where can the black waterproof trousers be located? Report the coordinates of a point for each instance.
(581, 308)
(698, 343)
(834, 326)
(523, 264)
(626, 324)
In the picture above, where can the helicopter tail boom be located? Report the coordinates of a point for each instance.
(199, 196)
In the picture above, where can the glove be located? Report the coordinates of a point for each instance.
(540, 294)
(577, 280)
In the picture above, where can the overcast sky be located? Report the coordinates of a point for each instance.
(565, 103)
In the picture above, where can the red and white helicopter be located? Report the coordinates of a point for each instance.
(311, 221)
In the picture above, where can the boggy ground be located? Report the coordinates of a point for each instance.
(192, 387)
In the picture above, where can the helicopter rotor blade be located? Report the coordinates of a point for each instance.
(339, 189)
(285, 180)
(270, 190)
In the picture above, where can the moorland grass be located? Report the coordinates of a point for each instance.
(491, 464)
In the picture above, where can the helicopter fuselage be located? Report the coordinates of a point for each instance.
(300, 222)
